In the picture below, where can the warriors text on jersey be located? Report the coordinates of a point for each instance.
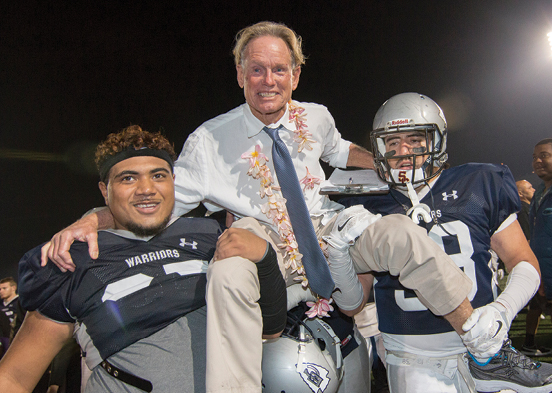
(135, 288)
(468, 204)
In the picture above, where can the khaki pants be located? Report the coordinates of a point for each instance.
(234, 325)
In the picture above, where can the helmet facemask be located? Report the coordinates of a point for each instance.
(412, 113)
(433, 153)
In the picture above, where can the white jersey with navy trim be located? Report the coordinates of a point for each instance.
(135, 288)
(469, 202)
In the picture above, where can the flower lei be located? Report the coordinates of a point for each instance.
(301, 133)
(275, 208)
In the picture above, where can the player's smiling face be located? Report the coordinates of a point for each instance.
(140, 194)
(267, 77)
(403, 144)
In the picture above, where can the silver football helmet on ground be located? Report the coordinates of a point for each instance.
(410, 112)
(305, 359)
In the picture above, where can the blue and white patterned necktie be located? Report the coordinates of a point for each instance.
(314, 262)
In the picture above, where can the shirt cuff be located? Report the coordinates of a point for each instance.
(342, 155)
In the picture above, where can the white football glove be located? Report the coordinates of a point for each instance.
(297, 293)
(486, 330)
(349, 225)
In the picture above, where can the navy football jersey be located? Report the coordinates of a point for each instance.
(468, 204)
(135, 288)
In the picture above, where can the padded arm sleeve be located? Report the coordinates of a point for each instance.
(523, 283)
(350, 294)
(273, 300)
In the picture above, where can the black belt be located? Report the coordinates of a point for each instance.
(137, 382)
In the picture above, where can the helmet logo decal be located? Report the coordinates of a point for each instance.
(406, 176)
(398, 122)
(402, 177)
(446, 196)
(316, 377)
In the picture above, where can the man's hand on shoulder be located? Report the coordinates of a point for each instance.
(238, 242)
(57, 249)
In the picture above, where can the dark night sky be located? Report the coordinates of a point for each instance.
(72, 72)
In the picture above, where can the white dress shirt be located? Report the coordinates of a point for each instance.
(210, 168)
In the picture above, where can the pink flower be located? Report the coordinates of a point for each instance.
(320, 308)
(309, 180)
(269, 211)
(302, 138)
(284, 229)
(294, 110)
(265, 187)
(254, 171)
(304, 142)
(301, 123)
(302, 278)
(256, 158)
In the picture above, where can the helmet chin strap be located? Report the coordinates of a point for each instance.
(301, 349)
(418, 211)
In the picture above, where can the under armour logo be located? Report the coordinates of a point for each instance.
(447, 196)
(183, 244)
(402, 177)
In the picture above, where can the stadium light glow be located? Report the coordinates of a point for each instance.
(550, 39)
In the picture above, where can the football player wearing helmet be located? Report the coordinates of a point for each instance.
(138, 310)
(467, 210)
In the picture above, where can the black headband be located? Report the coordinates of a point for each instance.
(131, 152)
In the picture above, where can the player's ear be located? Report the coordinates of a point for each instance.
(103, 189)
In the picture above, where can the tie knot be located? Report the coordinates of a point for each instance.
(273, 132)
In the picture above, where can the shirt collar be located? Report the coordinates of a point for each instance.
(254, 125)
(6, 303)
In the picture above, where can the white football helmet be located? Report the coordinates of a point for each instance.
(305, 359)
(410, 112)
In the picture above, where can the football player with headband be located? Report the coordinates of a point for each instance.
(467, 210)
(138, 310)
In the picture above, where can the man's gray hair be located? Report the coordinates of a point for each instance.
(278, 30)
